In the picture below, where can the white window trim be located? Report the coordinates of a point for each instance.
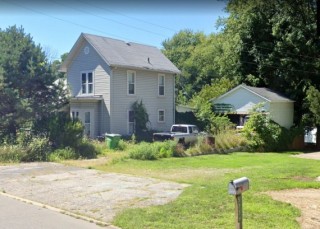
(164, 85)
(164, 116)
(128, 124)
(129, 72)
(93, 77)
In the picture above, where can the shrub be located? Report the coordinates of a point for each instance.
(152, 151)
(200, 148)
(122, 145)
(263, 134)
(86, 149)
(37, 149)
(12, 153)
(229, 139)
(62, 154)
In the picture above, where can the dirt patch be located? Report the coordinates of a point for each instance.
(307, 200)
(314, 156)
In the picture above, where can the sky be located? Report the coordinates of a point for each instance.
(57, 24)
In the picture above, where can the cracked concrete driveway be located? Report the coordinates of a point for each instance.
(85, 192)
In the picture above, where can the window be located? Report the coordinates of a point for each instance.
(87, 123)
(74, 115)
(131, 79)
(131, 122)
(161, 85)
(161, 116)
(87, 83)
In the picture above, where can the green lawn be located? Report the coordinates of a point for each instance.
(206, 203)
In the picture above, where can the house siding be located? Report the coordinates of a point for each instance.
(241, 97)
(146, 89)
(282, 113)
(101, 71)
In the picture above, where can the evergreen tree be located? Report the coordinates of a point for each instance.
(29, 91)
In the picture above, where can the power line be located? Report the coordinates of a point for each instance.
(67, 21)
(130, 17)
(112, 20)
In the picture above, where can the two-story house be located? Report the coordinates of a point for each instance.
(106, 76)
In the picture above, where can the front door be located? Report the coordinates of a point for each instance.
(86, 117)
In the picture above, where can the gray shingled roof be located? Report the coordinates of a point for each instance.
(268, 94)
(119, 53)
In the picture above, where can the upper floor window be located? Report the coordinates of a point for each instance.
(131, 80)
(86, 83)
(161, 80)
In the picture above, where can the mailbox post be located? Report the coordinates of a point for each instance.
(236, 188)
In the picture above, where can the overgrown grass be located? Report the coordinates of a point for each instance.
(206, 203)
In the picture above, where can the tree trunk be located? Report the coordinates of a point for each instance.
(318, 138)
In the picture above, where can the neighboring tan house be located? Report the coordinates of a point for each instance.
(106, 76)
(239, 101)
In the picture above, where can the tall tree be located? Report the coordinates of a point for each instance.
(28, 91)
(179, 50)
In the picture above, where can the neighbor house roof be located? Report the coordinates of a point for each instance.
(118, 53)
(265, 93)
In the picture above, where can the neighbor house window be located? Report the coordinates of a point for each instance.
(131, 79)
(87, 83)
(161, 85)
(161, 116)
(131, 122)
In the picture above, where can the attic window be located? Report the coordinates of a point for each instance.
(86, 50)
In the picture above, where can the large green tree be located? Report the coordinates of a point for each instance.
(29, 90)
(179, 49)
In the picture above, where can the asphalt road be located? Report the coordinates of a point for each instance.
(15, 214)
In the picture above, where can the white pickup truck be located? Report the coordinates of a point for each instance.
(183, 133)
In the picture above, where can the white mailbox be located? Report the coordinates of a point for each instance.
(238, 186)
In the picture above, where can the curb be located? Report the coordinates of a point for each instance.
(77, 216)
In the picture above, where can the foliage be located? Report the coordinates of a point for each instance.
(141, 117)
(313, 102)
(214, 123)
(200, 148)
(86, 149)
(230, 139)
(37, 149)
(179, 50)
(28, 91)
(62, 154)
(11, 153)
(263, 134)
(61, 130)
(152, 151)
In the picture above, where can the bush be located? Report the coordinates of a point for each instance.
(62, 154)
(12, 153)
(37, 149)
(153, 151)
(263, 134)
(229, 139)
(61, 130)
(200, 148)
(86, 149)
